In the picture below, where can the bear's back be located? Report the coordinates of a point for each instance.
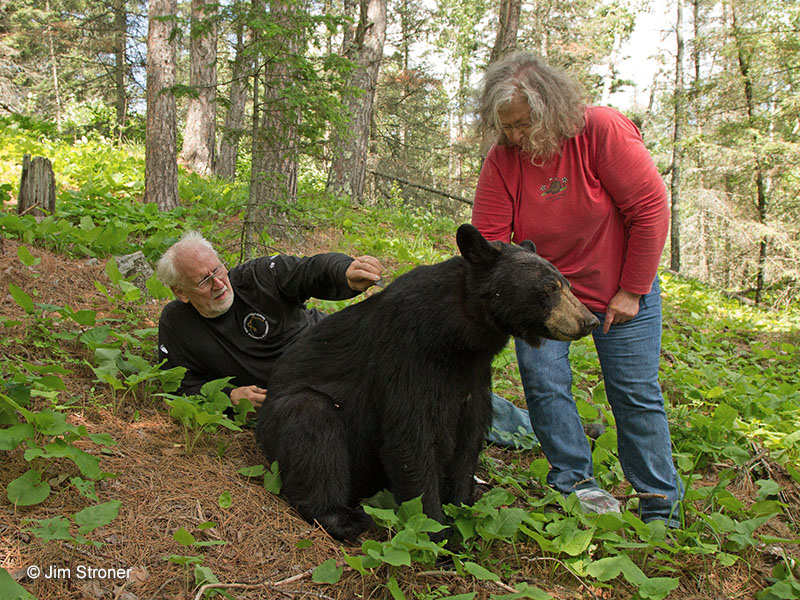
(418, 321)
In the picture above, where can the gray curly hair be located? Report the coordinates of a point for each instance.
(556, 100)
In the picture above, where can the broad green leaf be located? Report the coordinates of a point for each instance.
(157, 289)
(575, 542)
(394, 589)
(85, 488)
(92, 517)
(586, 411)
(13, 436)
(410, 508)
(254, 471)
(22, 298)
(524, 590)
(84, 317)
(657, 588)
(11, 590)
(56, 528)
(767, 488)
(272, 479)
(502, 525)
(203, 575)
(396, 556)
(328, 572)
(96, 337)
(88, 464)
(184, 560)
(225, 500)
(478, 572)
(28, 489)
(112, 270)
(184, 538)
(385, 517)
(26, 257)
(49, 422)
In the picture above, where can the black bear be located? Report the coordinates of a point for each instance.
(394, 391)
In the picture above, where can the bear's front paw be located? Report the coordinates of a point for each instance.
(346, 524)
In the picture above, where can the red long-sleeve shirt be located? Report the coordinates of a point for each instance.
(598, 211)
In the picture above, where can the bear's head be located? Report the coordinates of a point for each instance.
(526, 296)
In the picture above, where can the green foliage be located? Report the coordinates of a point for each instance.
(271, 476)
(46, 435)
(207, 411)
(98, 210)
(86, 520)
(11, 590)
(202, 574)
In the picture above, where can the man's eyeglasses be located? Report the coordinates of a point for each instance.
(219, 272)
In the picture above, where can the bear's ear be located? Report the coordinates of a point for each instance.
(474, 247)
(528, 245)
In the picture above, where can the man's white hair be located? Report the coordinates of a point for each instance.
(167, 270)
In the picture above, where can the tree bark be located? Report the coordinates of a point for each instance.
(348, 167)
(120, 37)
(677, 147)
(275, 152)
(53, 67)
(161, 167)
(743, 60)
(199, 136)
(37, 188)
(233, 128)
(506, 41)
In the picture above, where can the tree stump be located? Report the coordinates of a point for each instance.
(37, 189)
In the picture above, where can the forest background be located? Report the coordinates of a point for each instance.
(301, 127)
(373, 94)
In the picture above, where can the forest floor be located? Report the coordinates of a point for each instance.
(269, 551)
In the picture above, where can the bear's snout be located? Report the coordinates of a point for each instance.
(569, 319)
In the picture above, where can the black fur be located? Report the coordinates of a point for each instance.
(393, 392)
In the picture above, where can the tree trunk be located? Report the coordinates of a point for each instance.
(273, 175)
(348, 167)
(677, 148)
(37, 188)
(608, 77)
(506, 41)
(761, 196)
(120, 37)
(161, 168)
(199, 135)
(53, 67)
(232, 130)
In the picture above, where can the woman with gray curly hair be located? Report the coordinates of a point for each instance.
(579, 182)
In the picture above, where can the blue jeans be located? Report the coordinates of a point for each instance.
(507, 418)
(629, 359)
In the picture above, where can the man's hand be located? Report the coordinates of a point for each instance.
(621, 309)
(363, 272)
(255, 394)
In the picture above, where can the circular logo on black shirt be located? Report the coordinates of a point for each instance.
(256, 326)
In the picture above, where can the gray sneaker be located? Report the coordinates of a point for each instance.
(597, 501)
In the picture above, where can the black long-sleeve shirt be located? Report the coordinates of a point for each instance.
(267, 314)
